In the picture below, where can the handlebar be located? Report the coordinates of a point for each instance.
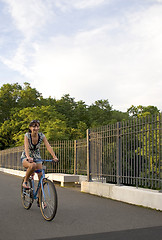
(49, 160)
(46, 160)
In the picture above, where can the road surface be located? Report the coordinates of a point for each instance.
(80, 216)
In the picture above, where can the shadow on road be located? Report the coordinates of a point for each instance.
(134, 234)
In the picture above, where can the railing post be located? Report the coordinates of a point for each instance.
(75, 156)
(88, 156)
(160, 148)
(118, 163)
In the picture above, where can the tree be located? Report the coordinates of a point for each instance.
(9, 96)
(29, 97)
(142, 111)
(57, 130)
(66, 106)
(118, 116)
(13, 97)
(100, 113)
(80, 114)
(12, 131)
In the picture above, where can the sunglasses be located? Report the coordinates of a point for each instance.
(34, 122)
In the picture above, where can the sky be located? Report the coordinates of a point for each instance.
(90, 49)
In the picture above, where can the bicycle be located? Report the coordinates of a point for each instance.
(47, 195)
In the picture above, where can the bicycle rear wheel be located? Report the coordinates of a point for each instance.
(48, 200)
(27, 195)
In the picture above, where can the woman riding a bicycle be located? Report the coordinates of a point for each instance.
(31, 158)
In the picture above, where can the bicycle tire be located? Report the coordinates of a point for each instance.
(27, 195)
(49, 198)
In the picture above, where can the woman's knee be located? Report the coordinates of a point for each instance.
(33, 166)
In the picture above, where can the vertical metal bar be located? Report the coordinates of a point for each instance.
(146, 164)
(60, 150)
(114, 149)
(123, 152)
(118, 153)
(75, 156)
(135, 151)
(128, 151)
(65, 157)
(134, 158)
(126, 155)
(149, 146)
(109, 157)
(101, 139)
(152, 163)
(160, 148)
(143, 158)
(88, 156)
(156, 151)
(131, 152)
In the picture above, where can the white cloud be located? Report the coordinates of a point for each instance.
(29, 16)
(86, 4)
(65, 5)
(115, 61)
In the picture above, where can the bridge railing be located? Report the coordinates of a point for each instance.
(128, 153)
(71, 153)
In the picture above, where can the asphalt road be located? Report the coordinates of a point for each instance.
(80, 216)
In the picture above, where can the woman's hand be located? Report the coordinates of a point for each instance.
(30, 160)
(55, 159)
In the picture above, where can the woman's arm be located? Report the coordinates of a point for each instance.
(26, 144)
(50, 150)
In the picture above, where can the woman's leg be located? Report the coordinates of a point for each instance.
(30, 169)
(39, 167)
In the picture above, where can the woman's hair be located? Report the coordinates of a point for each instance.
(32, 123)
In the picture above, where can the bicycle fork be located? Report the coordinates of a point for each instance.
(43, 190)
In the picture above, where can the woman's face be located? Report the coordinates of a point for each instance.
(34, 128)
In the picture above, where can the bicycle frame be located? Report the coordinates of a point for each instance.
(45, 191)
(40, 183)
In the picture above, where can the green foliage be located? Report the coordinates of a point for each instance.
(141, 111)
(100, 113)
(9, 95)
(60, 119)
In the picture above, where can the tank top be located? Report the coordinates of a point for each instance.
(34, 149)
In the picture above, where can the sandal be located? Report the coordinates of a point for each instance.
(25, 186)
(44, 205)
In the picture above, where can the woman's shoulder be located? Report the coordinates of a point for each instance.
(27, 134)
(41, 135)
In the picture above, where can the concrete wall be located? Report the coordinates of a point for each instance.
(58, 177)
(137, 196)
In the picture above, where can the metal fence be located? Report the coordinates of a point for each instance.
(81, 157)
(128, 153)
(70, 153)
(10, 158)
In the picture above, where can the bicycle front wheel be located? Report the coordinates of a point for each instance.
(48, 200)
(27, 195)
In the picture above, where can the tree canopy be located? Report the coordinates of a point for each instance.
(64, 118)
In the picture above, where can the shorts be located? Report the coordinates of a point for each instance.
(37, 161)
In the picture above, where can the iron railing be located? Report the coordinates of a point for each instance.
(80, 157)
(72, 159)
(128, 153)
